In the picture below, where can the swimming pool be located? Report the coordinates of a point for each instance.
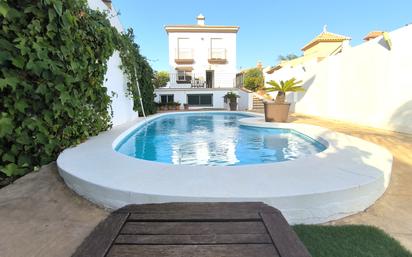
(214, 139)
(345, 178)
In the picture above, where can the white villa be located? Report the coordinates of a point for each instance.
(202, 60)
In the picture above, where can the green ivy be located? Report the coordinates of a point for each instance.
(135, 66)
(53, 59)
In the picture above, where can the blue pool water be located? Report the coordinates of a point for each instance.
(214, 139)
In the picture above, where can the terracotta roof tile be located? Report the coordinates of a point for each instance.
(325, 36)
(372, 35)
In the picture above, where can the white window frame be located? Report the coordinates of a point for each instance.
(186, 75)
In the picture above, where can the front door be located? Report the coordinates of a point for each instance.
(209, 78)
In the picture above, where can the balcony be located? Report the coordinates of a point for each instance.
(203, 80)
(187, 80)
(184, 56)
(217, 56)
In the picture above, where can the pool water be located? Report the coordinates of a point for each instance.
(214, 139)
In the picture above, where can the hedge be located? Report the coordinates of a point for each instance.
(53, 59)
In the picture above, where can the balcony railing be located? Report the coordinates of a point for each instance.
(184, 56)
(192, 80)
(187, 80)
(217, 55)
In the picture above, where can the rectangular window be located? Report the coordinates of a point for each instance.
(164, 99)
(216, 43)
(217, 49)
(183, 43)
(184, 76)
(200, 99)
(184, 49)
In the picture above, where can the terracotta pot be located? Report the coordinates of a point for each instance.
(186, 106)
(177, 107)
(277, 112)
(233, 106)
(163, 107)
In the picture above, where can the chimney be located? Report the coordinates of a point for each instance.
(108, 3)
(259, 65)
(200, 20)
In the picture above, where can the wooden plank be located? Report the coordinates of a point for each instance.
(99, 241)
(192, 216)
(194, 239)
(284, 238)
(193, 228)
(251, 250)
(197, 207)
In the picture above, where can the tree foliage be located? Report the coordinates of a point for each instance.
(253, 79)
(53, 59)
(161, 78)
(287, 57)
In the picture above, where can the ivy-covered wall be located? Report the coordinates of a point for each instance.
(53, 59)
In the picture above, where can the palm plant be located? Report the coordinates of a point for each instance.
(231, 96)
(290, 85)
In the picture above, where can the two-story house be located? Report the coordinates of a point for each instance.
(202, 60)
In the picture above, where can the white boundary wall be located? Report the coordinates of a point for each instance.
(115, 80)
(367, 84)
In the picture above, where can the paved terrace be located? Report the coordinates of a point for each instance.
(40, 216)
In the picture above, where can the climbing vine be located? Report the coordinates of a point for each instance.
(53, 59)
(136, 67)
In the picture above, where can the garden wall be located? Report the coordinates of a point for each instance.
(368, 84)
(122, 105)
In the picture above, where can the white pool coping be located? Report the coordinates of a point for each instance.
(347, 177)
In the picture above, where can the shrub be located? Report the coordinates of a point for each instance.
(253, 79)
(53, 59)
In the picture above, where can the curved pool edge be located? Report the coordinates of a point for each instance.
(289, 186)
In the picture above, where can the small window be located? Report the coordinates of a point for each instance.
(164, 99)
(200, 100)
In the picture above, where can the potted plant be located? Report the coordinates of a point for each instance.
(177, 106)
(279, 110)
(158, 106)
(232, 97)
(170, 105)
(186, 106)
(163, 106)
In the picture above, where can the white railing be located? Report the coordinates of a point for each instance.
(217, 53)
(184, 53)
(193, 80)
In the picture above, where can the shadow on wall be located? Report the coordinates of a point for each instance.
(296, 97)
(384, 44)
(401, 119)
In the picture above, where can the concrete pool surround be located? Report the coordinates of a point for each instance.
(346, 178)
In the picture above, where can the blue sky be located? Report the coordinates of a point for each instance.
(267, 28)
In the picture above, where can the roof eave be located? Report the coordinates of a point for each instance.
(216, 29)
(311, 44)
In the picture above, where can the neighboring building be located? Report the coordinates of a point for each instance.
(372, 35)
(202, 60)
(323, 45)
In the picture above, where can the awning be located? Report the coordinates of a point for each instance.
(184, 68)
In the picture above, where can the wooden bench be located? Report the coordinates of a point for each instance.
(194, 230)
